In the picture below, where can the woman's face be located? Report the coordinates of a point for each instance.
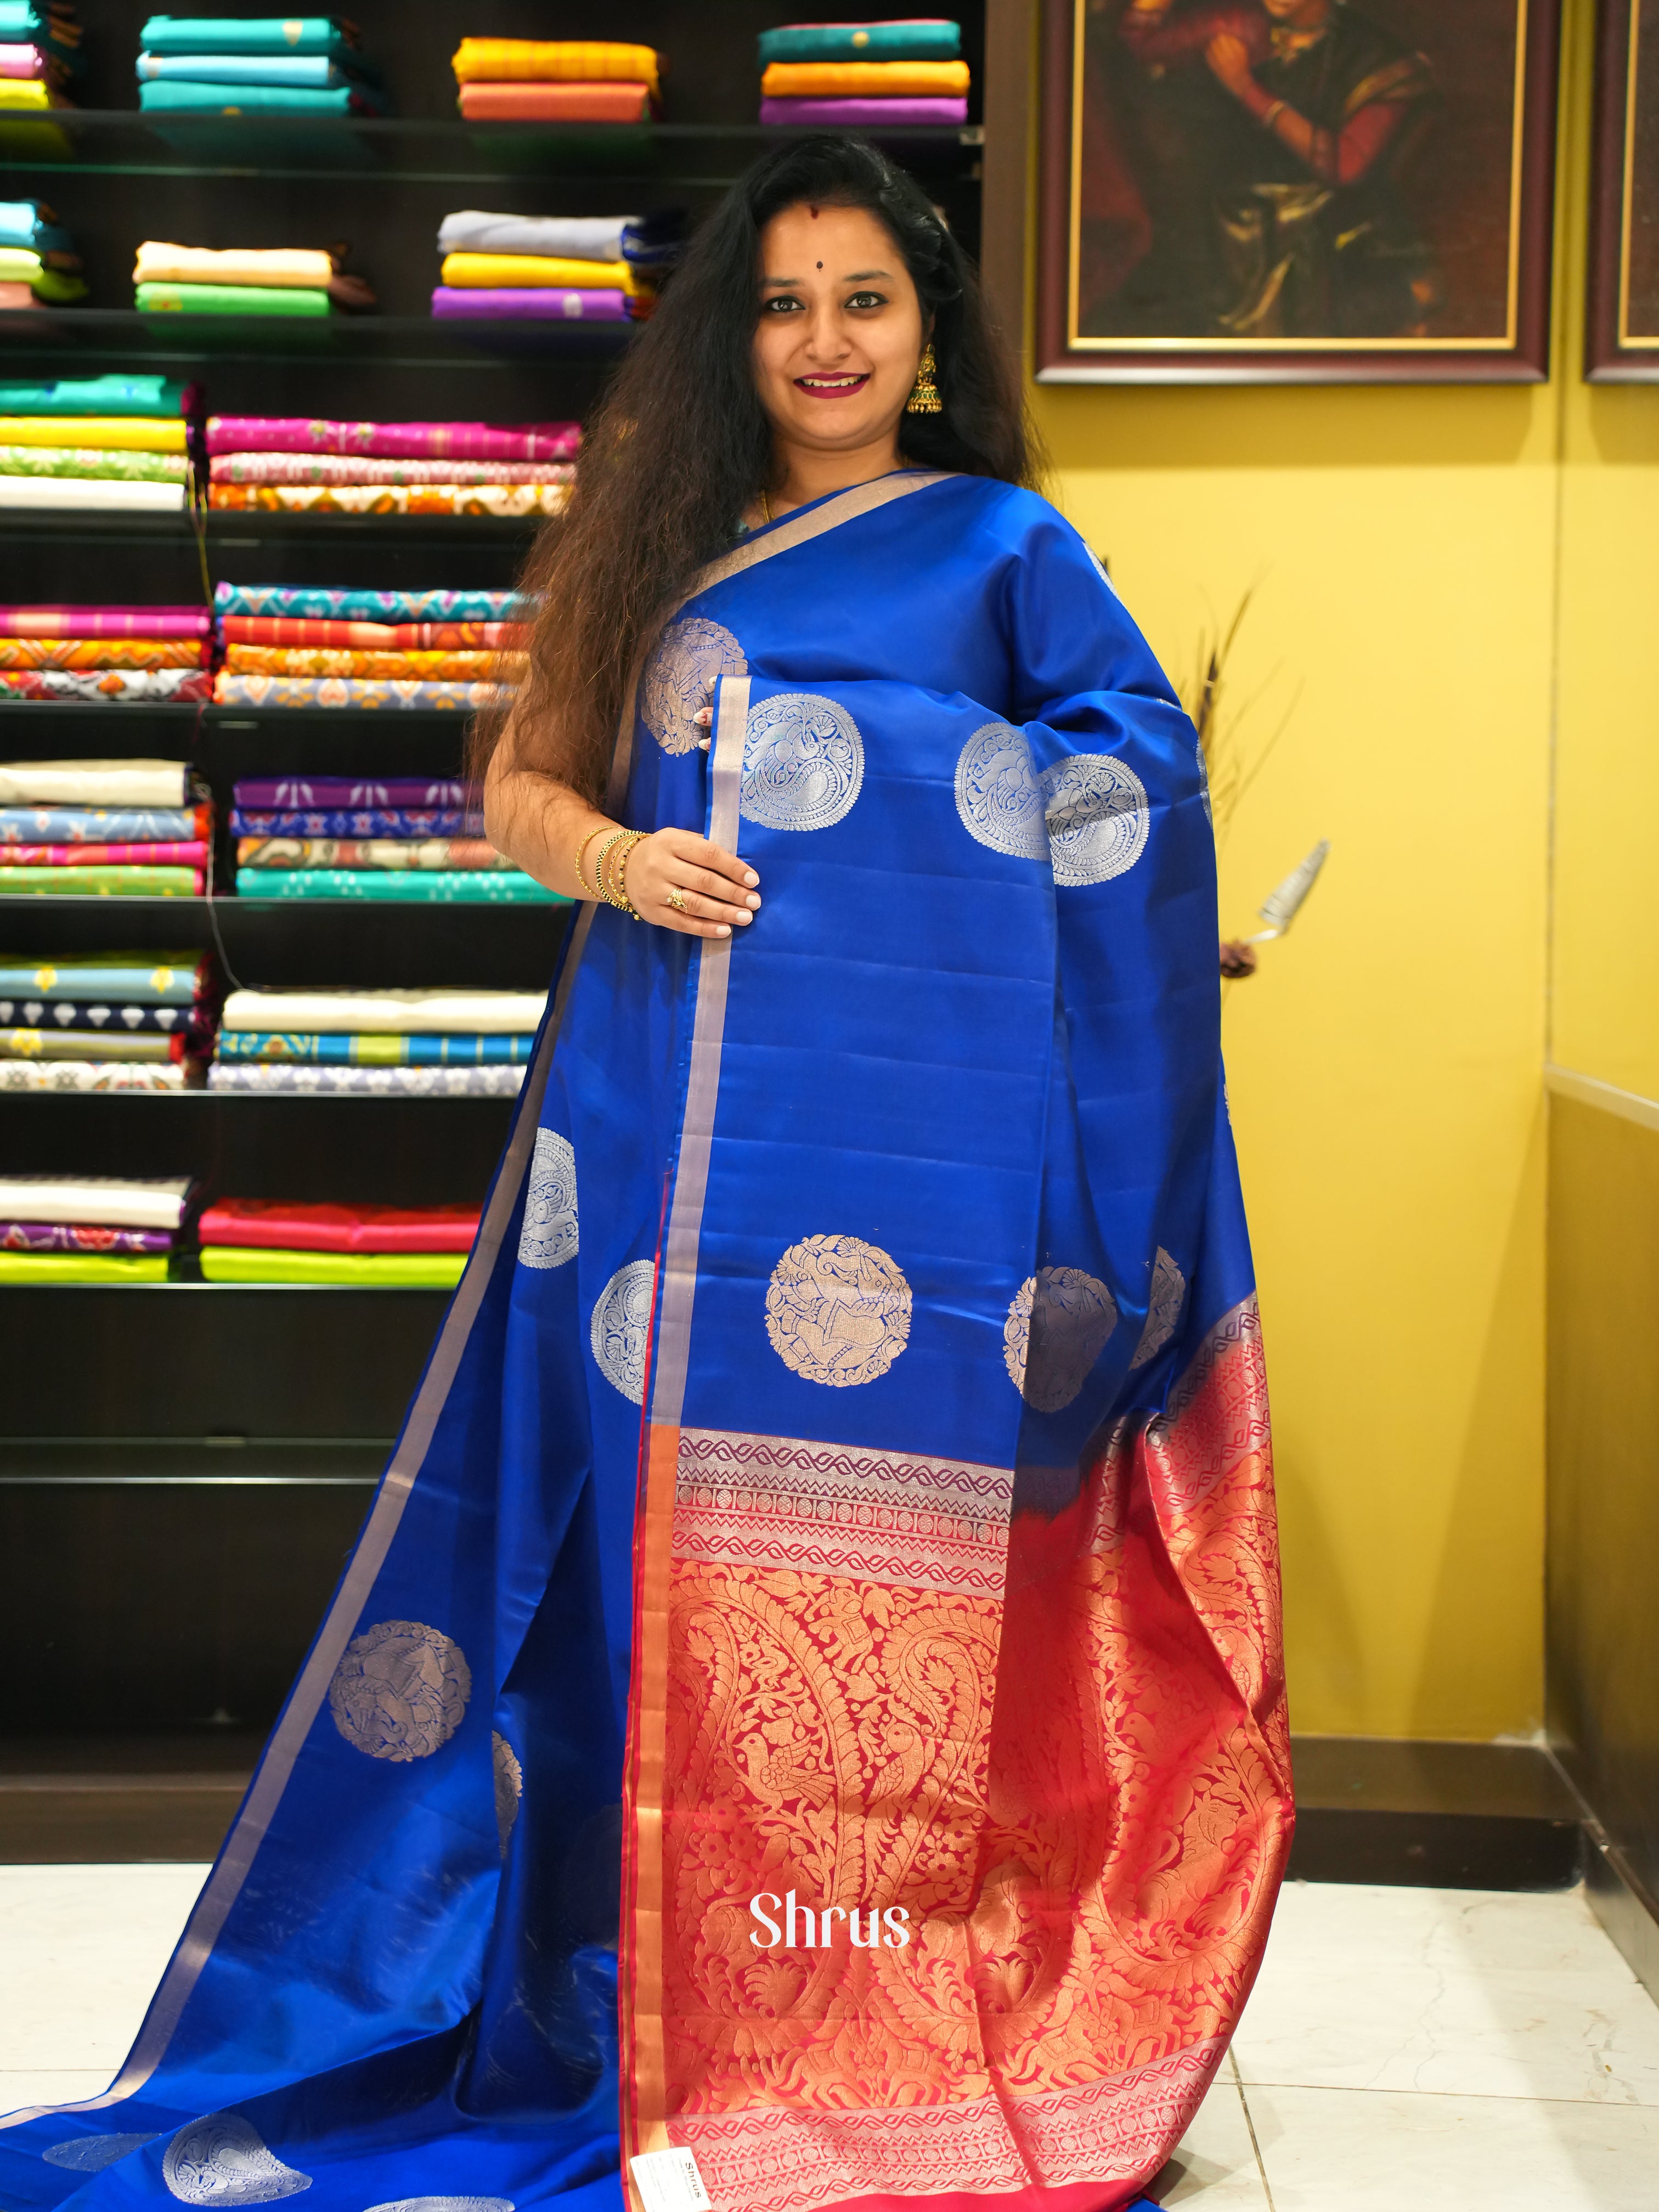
(839, 331)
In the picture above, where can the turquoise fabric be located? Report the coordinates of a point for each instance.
(175, 98)
(96, 395)
(304, 72)
(236, 34)
(861, 42)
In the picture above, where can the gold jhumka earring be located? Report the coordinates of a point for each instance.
(924, 398)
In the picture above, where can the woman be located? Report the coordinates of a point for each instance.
(871, 1213)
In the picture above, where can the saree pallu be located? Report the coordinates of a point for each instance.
(841, 1488)
(278, 1222)
(65, 1236)
(389, 499)
(102, 882)
(111, 686)
(368, 853)
(85, 1044)
(93, 461)
(382, 1271)
(101, 653)
(136, 979)
(88, 1075)
(112, 494)
(413, 822)
(308, 1081)
(367, 469)
(332, 605)
(190, 852)
(27, 1267)
(386, 695)
(410, 886)
(415, 442)
(105, 622)
(376, 1051)
(467, 667)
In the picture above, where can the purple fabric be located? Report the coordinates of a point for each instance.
(72, 1237)
(348, 791)
(861, 114)
(539, 303)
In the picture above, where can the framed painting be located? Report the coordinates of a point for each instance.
(1297, 191)
(1622, 328)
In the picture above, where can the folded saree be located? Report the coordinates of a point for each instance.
(104, 396)
(301, 630)
(460, 441)
(556, 103)
(343, 791)
(78, 1266)
(112, 686)
(100, 653)
(175, 97)
(65, 1236)
(307, 1081)
(16, 92)
(328, 1050)
(520, 271)
(905, 39)
(229, 299)
(161, 263)
(510, 499)
(367, 853)
(134, 434)
(101, 883)
(101, 825)
(382, 696)
(572, 237)
(90, 1075)
(862, 114)
(426, 1013)
(92, 461)
(178, 853)
(915, 80)
(139, 979)
(276, 1221)
(363, 469)
(355, 822)
(94, 783)
(534, 303)
(54, 287)
(105, 622)
(383, 1271)
(106, 493)
(296, 72)
(248, 34)
(344, 660)
(32, 223)
(105, 1201)
(86, 1044)
(406, 886)
(555, 61)
(342, 605)
(117, 1022)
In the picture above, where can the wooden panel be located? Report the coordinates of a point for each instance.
(1010, 61)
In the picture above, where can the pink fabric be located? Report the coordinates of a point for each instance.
(105, 622)
(862, 114)
(190, 855)
(460, 441)
(22, 61)
(275, 1224)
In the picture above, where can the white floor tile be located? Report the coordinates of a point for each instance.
(1456, 1992)
(83, 1948)
(1215, 2168)
(25, 2087)
(1352, 2150)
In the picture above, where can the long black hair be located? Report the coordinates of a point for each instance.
(680, 446)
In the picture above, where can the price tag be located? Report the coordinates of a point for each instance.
(669, 2181)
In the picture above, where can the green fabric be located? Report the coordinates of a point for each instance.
(411, 886)
(80, 1267)
(58, 288)
(95, 883)
(236, 34)
(231, 300)
(159, 95)
(96, 395)
(93, 461)
(408, 1271)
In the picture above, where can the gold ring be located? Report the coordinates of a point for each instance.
(674, 896)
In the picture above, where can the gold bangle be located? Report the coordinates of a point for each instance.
(599, 860)
(620, 875)
(581, 849)
(611, 867)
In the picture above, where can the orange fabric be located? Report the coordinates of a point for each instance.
(556, 103)
(124, 652)
(555, 61)
(864, 80)
(344, 660)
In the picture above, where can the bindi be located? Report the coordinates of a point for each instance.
(813, 212)
(820, 265)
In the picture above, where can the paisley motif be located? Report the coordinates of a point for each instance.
(803, 763)
(679, 677)
(509, 1788)
(1162, 1308)
(1098, 818)
(548, 1236)
(1057, 1327)
(621, 1320)
(92, 2153)
(997, 794)
(220, 2160)
(400, 1691)
(446, 2204)
(837, 1311)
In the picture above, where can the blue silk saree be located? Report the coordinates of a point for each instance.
(807, 1693)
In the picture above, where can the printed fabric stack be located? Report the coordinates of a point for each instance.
(864, 76)
(112, 442)
(38, 264)
(108, 656)
(399, 838)
(88, 1229)
(40, 52)
(261, 65)
(557, 81)
(102, 829)
(295, 645)
(285, 463)
(105, 1021)
(587, 269)
(263, 1240)
(431, 1044)
(285, 280)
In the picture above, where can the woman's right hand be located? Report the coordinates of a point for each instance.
(715, 891)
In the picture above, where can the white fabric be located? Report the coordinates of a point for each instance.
(390, 1013)
(94, 783)
(91, 491)
(566, 237)
(104, 1201)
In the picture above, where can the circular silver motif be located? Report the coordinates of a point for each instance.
(220, 2160)
(548, 1237)
(1056, 1328)
(1098, 818)
(1162, 1308)
(838, 1310)
(803, 763)
(997, 794)
(92, 2153)
(446, 2204)
(689, 654)
(401, 1690)
(621, 1320)
(509, 1788)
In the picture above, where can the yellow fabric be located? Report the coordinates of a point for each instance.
(159, 263)
(554, 61)
(27, 91)
(470, 269)
(80, 1267)
(865, 80)
(129, 434)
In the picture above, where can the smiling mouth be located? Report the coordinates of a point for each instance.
(832, 387)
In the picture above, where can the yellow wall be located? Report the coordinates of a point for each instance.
(1411, 551)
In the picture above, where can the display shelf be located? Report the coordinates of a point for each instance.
(108, 334)
(233, 1457)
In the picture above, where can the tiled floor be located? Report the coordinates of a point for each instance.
(1406, 2050)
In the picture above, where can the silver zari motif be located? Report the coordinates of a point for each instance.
(622, 1319)
(1057, 1328)
(401, 1690)
(803, 763)
(1098, 818)
(837, 1311)
(548, 1236)
(997, 792)
(220, 2160)
(679, 678)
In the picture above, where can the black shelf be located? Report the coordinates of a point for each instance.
(172, 342)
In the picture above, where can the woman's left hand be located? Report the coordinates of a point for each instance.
(1228, 59)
